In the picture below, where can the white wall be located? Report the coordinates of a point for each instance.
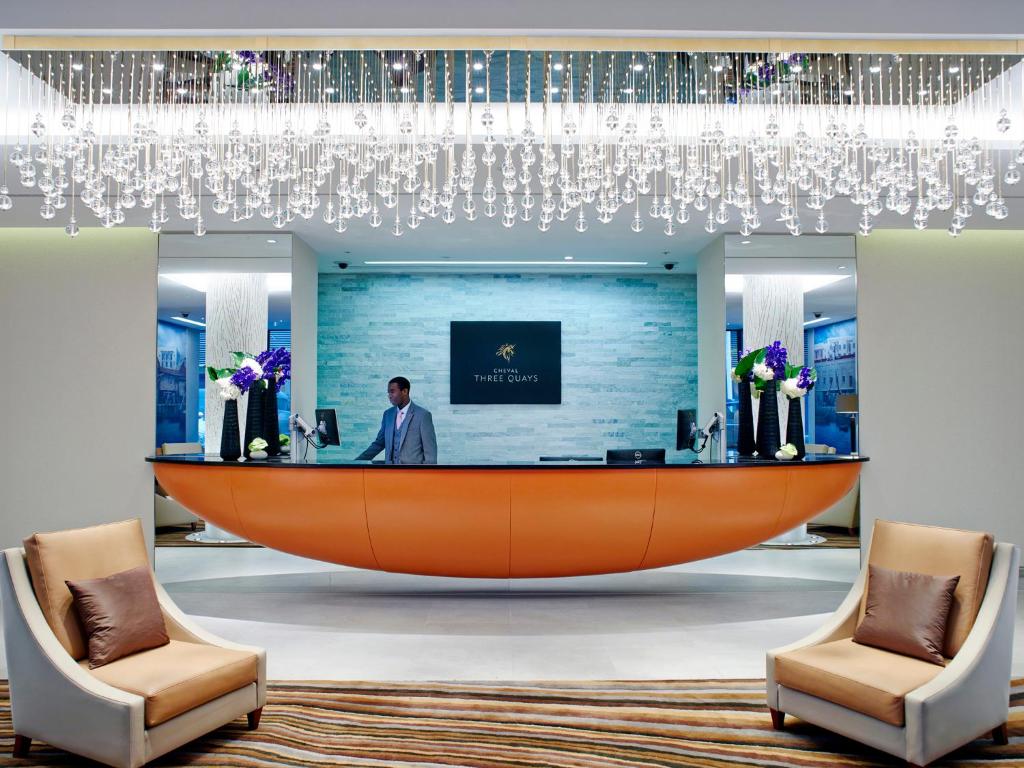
(305, 282)
(711, 330)
(78, 384)
(941, 365)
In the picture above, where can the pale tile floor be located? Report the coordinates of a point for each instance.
(713, 618)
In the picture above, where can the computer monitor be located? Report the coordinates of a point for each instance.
(636, 456)
(327, 426)
(686, 429)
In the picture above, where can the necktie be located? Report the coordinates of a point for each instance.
(399, 420)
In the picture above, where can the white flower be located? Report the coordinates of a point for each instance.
(256, 367)
(763, 372)
(790, 389)
(228, 391)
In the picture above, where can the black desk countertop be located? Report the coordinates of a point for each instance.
(672, 463)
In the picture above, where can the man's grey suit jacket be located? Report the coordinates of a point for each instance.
(418, 443)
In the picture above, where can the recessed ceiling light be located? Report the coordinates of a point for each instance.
(478, 89)
(734, 282)
(744, 242)
(277, 282)
(875, 69)
(158, 66)
(954, 69)
(189, 321)
(77, 66)
(478, 65)
(717, 68)
(328, 90)
(317, 66)
(485, 263)
(568, 258)
(627, 90)
(271, 240)
(554, 89)
(107, 91)
(398, 66)
(559, 66)
(842, 267)
(638, 67)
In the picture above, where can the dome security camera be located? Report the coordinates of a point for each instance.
(342, 265)
(817, 315)
(669, 266)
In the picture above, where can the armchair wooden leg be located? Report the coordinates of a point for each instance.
(1000, 735)
(254, 718)
(778, 719)
(22, 744)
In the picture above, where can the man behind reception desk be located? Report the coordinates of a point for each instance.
(406, 431)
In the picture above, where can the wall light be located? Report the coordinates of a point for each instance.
(817, 320)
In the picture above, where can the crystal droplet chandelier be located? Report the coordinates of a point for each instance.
(398, 138)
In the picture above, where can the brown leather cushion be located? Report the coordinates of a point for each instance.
(82, 553)
(868, 680)
(120, 614)
(938, 552)
(907, 612)
(179, 676)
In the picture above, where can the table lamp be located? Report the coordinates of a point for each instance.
(847, 404)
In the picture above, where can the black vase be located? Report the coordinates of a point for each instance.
(230, 449)
(271, 426)
(254, 416)
(745, 443)
(768, 422)
(795, 427)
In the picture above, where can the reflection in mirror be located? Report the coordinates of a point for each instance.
(802, 292)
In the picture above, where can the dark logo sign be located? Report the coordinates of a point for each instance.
(506, 362)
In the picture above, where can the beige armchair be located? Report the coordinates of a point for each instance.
(910, 708)
(136, 708)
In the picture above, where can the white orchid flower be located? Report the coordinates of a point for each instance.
(763, 372)
(790, 389)
(256, 367)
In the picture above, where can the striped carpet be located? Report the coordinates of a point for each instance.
(514, 725)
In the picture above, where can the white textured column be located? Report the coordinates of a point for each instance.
(773, 310)
(236, 320)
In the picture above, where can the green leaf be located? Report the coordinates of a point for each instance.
(219, 373)
(746, 363)
(238, 357)
(760, 355)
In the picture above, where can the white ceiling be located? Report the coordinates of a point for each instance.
(780, 18)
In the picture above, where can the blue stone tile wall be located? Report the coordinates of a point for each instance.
(629, 359)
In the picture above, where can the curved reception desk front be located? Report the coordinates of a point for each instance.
(509, 520)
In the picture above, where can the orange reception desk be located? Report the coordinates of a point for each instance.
(507, 520)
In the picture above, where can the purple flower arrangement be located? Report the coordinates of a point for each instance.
(775, 358)
(244, 378)
(277, 366)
